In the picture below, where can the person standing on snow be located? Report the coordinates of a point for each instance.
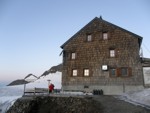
(51, 88)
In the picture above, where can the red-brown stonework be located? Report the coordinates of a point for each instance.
(123, 62)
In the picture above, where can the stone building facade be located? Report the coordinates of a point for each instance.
(102, 56)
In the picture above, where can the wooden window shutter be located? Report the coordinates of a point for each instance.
(129, 71)
(118, 72)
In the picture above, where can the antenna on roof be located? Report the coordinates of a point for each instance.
(100, 17)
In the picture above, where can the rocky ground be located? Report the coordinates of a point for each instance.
(74, 104)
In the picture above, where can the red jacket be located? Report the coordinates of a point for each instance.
(51, 87)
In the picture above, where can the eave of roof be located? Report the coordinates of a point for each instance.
(100, 19)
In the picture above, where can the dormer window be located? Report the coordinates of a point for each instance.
(89, 38)
(105, 36)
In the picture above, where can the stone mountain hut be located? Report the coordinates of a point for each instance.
(102, 56)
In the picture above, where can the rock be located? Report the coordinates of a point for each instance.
(55, 105)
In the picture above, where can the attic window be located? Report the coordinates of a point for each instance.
(105, 36)
(89, 38)
(73, 55)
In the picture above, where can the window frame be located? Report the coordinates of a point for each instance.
(86, 72)
(118, 72)
(112, 53)
(110, 72)
(105, 36)
(73, 56)
(127, 72)
(89, 37)
(74, 72)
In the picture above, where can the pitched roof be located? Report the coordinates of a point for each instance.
(101, 20)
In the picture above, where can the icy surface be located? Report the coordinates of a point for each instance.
(9, 94)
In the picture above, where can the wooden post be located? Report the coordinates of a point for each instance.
(48, 84)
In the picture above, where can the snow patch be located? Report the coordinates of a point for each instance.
(141, 97)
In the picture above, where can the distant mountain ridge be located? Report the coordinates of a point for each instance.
(18, 82)
(53, 69)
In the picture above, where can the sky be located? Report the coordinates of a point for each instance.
(32, 31)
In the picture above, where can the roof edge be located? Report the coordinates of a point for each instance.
(138, 36)
(77, 33)
(100, 19)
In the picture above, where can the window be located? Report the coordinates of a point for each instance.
(73, 55)
(124, 71)
(86, 72)
(121, 72)
(113, 72)
(105, 36)
(74, 72)
(89, 37)
(112, 53)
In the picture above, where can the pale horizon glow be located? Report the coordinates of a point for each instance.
(32, 31)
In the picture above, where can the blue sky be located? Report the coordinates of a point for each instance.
(32, 31)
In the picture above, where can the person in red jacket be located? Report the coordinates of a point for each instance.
(51, 88)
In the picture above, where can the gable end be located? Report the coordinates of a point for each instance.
(101, 20)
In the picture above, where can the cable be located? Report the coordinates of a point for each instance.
(146, 48)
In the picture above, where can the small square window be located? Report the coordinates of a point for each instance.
(112, 53)
(73, 55)
(86, 72)
(89, 38)
(74, 72)
(105, 36)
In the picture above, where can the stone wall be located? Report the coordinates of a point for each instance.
(47, 104)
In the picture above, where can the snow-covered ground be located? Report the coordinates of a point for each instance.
(9, 94)
(141, 97)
